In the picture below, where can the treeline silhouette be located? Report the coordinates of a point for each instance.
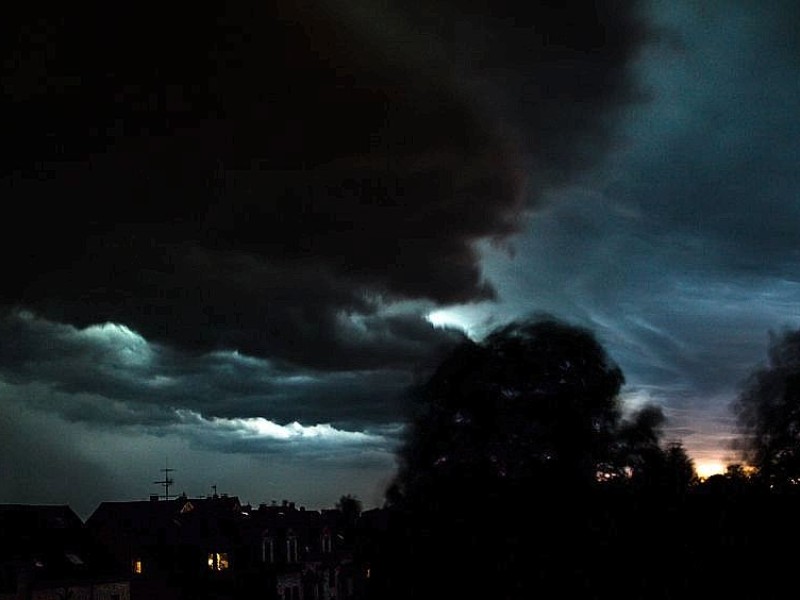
(521, 477)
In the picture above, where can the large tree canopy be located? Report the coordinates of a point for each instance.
(506, 464)
(535, 402)
(768, 412)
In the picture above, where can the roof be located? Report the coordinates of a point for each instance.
(183, 521)
(51, 541)
(27, 518)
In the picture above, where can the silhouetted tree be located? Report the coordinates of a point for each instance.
(679, 471)
(768, 413)
(735, 481)
(498, 474)
(536, 402)
(639, 457)
(736, 473)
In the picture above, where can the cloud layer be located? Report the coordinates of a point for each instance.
(252, 180)
(681, 250)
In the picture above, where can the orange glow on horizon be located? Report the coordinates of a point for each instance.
(707, 468)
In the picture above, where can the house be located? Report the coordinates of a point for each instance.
(47, 554)
(172, 547)
(306, 552)
(214, 547)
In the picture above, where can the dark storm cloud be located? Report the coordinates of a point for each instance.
(109, 375)
(267, 177)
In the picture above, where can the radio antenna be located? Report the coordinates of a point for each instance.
(167, 481)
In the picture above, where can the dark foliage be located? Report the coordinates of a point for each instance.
(534, 403)
(768, 413)
(518, 468)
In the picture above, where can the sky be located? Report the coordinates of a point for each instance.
(233, 237)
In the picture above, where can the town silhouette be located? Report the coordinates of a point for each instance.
(520, 477)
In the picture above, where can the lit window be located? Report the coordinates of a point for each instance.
(218, 561)
(137, 566)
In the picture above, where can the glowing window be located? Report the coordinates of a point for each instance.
(218, 561)
(137, 566)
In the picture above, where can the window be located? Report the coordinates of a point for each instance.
(136, 566)
(291, 549)
(268, 550)
(327, 542)
(291, 592)
(218, 561)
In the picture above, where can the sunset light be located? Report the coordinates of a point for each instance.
(707, 468)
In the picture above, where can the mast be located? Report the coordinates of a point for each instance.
(167, 481)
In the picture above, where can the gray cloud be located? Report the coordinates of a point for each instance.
(680, 251)
(217, 234)
(45, 459)
(256, 247)
(108, 374)
(41, 462)
(289, 165)
(259, 436)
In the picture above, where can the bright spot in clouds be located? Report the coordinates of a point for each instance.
(449, 318)
(707, 468)
(127, 345)
(259, 428)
